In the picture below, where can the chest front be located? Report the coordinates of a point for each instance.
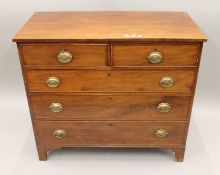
(92, 81)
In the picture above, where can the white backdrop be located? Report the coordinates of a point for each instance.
(15, 122)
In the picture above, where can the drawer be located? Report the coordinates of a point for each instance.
(69, 54)
(110, 107)
(110, 81)
(110, 133)
(142, 54)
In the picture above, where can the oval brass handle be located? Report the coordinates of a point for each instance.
(59, 133)
(64, 57)
(53, 82)
(56, 107)
(155, 57)
(164, 107)
(161, 133)
(166, 81)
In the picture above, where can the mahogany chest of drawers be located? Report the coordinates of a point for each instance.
(110, 79)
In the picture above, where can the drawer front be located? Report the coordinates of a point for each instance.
(172, 54)
(110, 133)
(110, 107)
(81, 54)
(109, 81)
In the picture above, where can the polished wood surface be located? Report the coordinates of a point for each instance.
(83, 54)
(110, 107)
(173, 54)
(106, 133)
(110, 81)
(109, 26)
(109, 91)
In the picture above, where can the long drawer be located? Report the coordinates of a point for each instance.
(110, 81)
(110, 133)
(110, 107)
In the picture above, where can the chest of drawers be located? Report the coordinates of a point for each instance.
(110, 79)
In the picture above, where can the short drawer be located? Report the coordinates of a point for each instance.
(110, 81)
(110, 133)
(110, 107)
(155, 54)
(65, 54)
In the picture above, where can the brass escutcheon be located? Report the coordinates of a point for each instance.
(164, 107)
(56, 107)
(155, 57)
(64, 57)
(59, 133)
(166, 82)
(53, 82)
(161, 133)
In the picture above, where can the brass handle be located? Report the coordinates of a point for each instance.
(56, 107)
(164, 107)
(64, 57)
(155, 57)
(161, 133)
(59, 133)
(53, 82)
(166, 81)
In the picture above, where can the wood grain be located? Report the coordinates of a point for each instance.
(110, 107)
(109, 26)
(105, 133)
(83, 54)
(109, 91)
(118, 81)
(173, 54)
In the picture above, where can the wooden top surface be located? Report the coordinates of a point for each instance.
(109, 26)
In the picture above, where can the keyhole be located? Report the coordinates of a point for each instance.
(110, 99)
(109, 74)
(110, 124)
